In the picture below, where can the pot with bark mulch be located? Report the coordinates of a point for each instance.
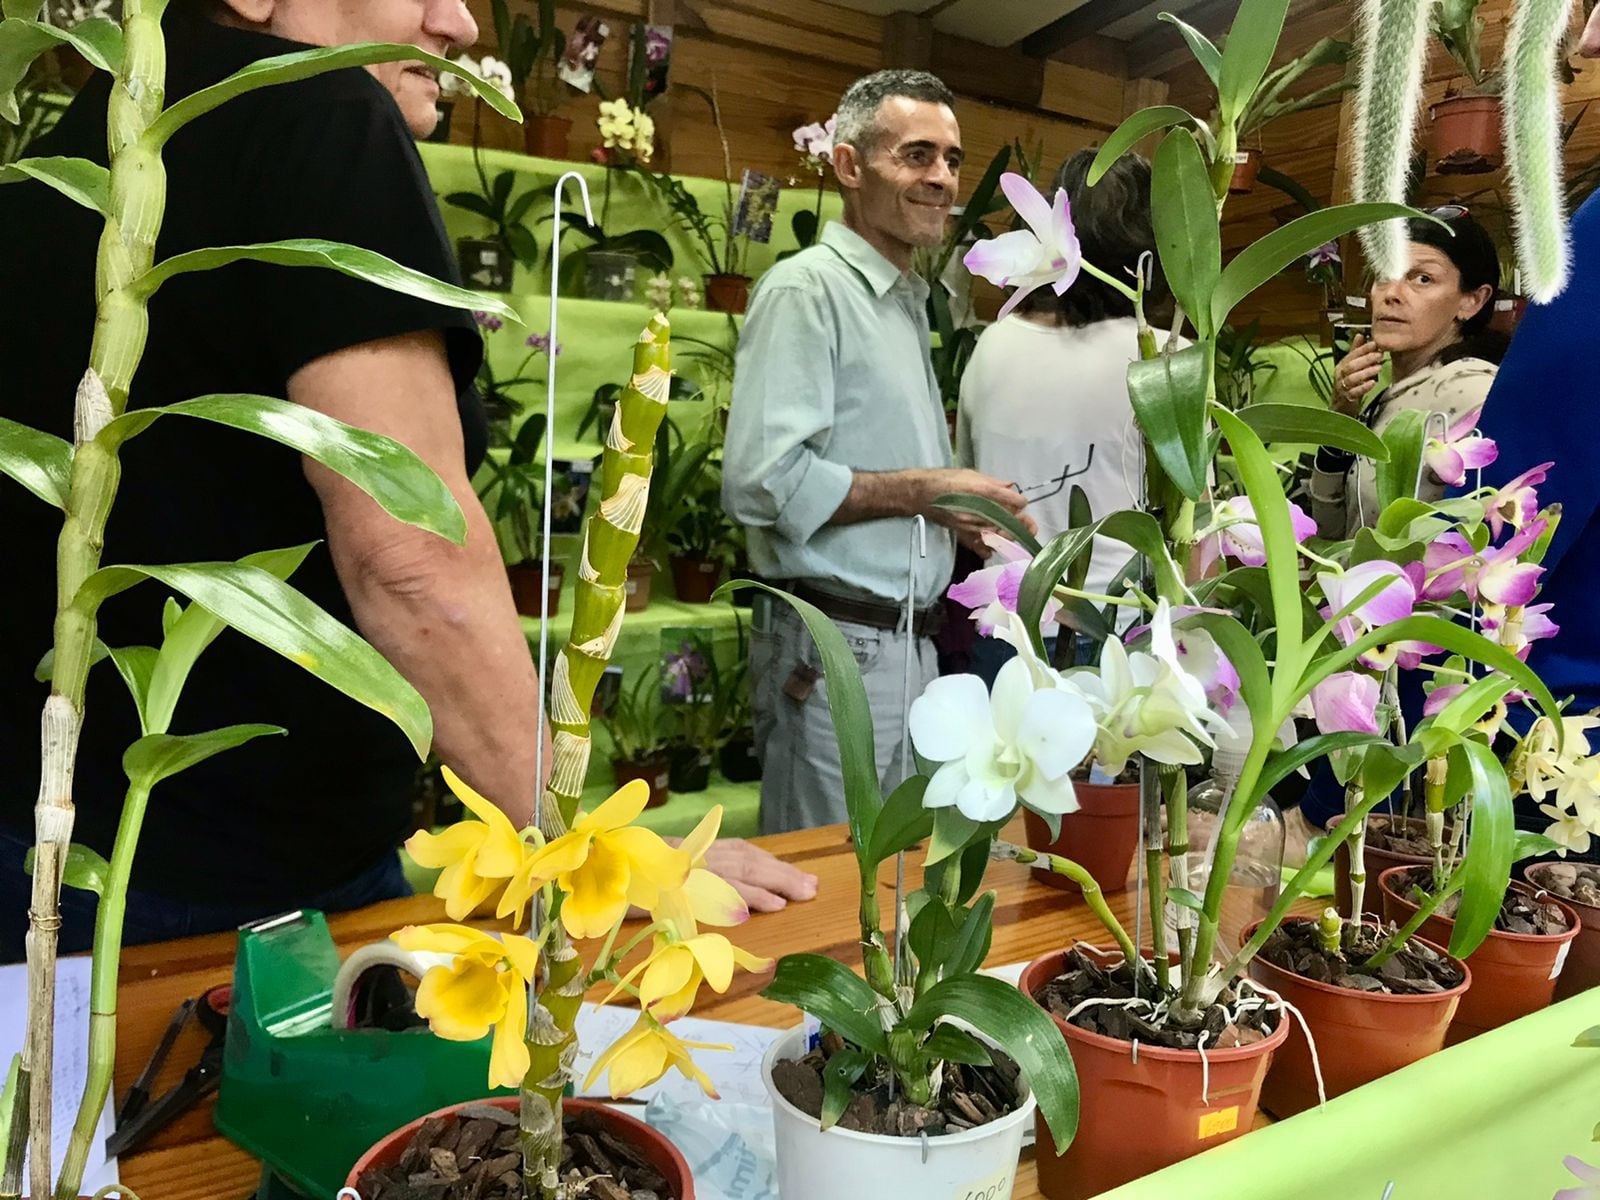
(1578, 886)
(1365, 1024)
(1391, 842)
(876, 1151)
(1102, 836)
(469, 1152)
(1514, 972)
(1146, 1111)
(1465, 135)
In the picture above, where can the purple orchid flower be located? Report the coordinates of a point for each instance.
(816, 140)
(488, 321)
(1243, 539)
(991, 592)
(1044, 254)
(1518, 629)
(1495, 575)
(541, 342)
(1346, 703)
(1462, 449)
(1325, 255)
(1395, 602)
(1587, 1175)
(684, 670)
(1517, 502)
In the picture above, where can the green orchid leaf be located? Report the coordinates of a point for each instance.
(1397, 476)
(1465, 710)
(1183, 210)
(1486, 869)
(303, 64)
(22, 41)
(1134, 130)
(1284, 763)
(39, 461)
(832, 993)
(1203, 48)
(1261, 483)
(948, 1043)
(1534, 845)
(1042, 575)
(190, 632)
(1287, 244)
(1001, 518)
(8, 1099)
(930, 937)
(1169, 399)
(136, 665)
(347, 260)
(974, 861)
(1247, 53)
(838, 1077)
(472, 202)
(999, 1012)
(84, 869)
(852, 721)
(78, 179)
(391, 473)
(903, 822)
(952, 833)
(1184, 898)
(972, 940)
(1588, 1038)
(158, 756)
(1384, 767)
(1255, 684)
(1305, 424)
(267, 610)
(982, 200)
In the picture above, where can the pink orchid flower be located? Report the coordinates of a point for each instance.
(1587, 1175)
(1517, 503)
(1044, 254)
(1488, 722)
(1243, 540)
(1346, 702)
(1395, 602)
(1517, 629)
(1495, 576)
(1462, 449)
(992, 592)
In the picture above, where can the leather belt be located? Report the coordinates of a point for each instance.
(876, 614)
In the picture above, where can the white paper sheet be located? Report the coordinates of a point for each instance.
(736, 1073)
(71, 1060)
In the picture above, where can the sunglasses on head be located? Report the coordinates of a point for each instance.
(1449, 212)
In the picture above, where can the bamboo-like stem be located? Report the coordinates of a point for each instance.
(1093, 897)
(1175, 794)
(610, 537)
(1353, 795)
(1155, 875)
(1433, 814)
(103, 991)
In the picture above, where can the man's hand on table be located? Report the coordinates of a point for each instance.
(764, 881)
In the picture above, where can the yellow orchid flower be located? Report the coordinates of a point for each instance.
(705, 897)
(674, 972)
(486, 986)
(477, 856)
(603, 865)
(644, 1054)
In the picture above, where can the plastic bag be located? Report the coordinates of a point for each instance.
(729, 1147)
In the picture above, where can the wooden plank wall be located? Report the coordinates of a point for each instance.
(779, 64)
(1305, 147)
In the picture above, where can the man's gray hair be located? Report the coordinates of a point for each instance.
(856, 120)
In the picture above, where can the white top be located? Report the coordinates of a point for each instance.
(1039, 402)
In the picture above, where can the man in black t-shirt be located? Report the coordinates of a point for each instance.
(314, 818)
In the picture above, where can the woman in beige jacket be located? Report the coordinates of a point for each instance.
(1433, 324)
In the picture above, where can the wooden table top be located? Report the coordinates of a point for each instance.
(189, 1160)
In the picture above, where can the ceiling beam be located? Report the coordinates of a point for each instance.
(1164, 49)
(1088, 18)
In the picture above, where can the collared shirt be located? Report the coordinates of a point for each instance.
(834, 376)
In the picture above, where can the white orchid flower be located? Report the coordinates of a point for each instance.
(1019, 744)
(1046, 253)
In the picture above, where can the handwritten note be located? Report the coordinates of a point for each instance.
(71, 1060)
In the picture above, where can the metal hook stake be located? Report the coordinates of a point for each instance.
(918, 549)
(1427, 430)
(549, 479)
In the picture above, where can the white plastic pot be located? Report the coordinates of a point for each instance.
(840, 1164)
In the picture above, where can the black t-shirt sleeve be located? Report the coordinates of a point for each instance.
(344, 168)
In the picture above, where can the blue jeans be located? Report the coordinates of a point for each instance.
(151, 918)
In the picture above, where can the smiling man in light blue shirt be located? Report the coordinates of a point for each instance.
(837, 440)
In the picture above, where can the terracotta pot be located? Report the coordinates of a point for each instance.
(654, 1147)
(1102, 836)
(655, 770)
(1514, 974)
(739, 761)
(527, 584)
(1360, 1036)
(1138, 1117)
(1508, 314)
(546, 137)
(694, 579)
(1582, 968)
(690, 770)
(727, 293)
(636, 592)
(1465, 137)
(1377, 859)
(1246, 165)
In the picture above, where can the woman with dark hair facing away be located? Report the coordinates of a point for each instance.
(1044, 400)
(1434, 326)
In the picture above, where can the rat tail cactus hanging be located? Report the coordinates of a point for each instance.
(1393, 43)
(1532, 107)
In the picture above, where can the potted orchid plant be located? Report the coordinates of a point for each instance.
(531, 55)
(81, 479)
